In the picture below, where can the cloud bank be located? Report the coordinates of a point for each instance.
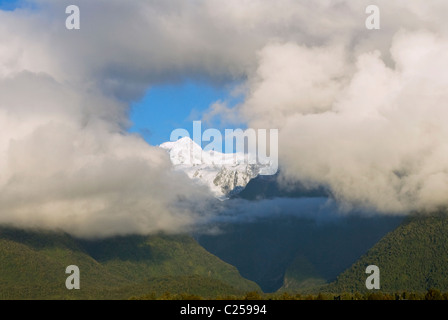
(65, 166)
(359, 111)
(374, 134)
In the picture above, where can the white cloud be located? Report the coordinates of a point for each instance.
(374, 135)
(66, 164)
(360, 111)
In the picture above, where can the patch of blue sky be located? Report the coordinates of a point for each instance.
(165, 108)
(11, 5)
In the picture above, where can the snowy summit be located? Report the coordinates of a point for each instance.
(224, 173)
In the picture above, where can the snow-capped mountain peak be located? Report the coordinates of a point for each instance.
(183, 151)
(223, 173)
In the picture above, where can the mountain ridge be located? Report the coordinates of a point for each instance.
(413, 257)
(32, 266)
(225, 174)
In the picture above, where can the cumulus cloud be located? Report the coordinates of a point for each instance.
(358, 111)
(372, 129)
(67, 160)
(68, 165)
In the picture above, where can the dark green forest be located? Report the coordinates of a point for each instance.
(412, 259)
(32, 266)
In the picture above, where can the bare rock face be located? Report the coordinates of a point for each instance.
(233, 181)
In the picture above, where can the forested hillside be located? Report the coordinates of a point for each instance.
(32, 266)
(414, 257)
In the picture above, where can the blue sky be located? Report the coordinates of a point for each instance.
(6, 5)
(168, 107)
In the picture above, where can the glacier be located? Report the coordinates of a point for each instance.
(225, 174)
